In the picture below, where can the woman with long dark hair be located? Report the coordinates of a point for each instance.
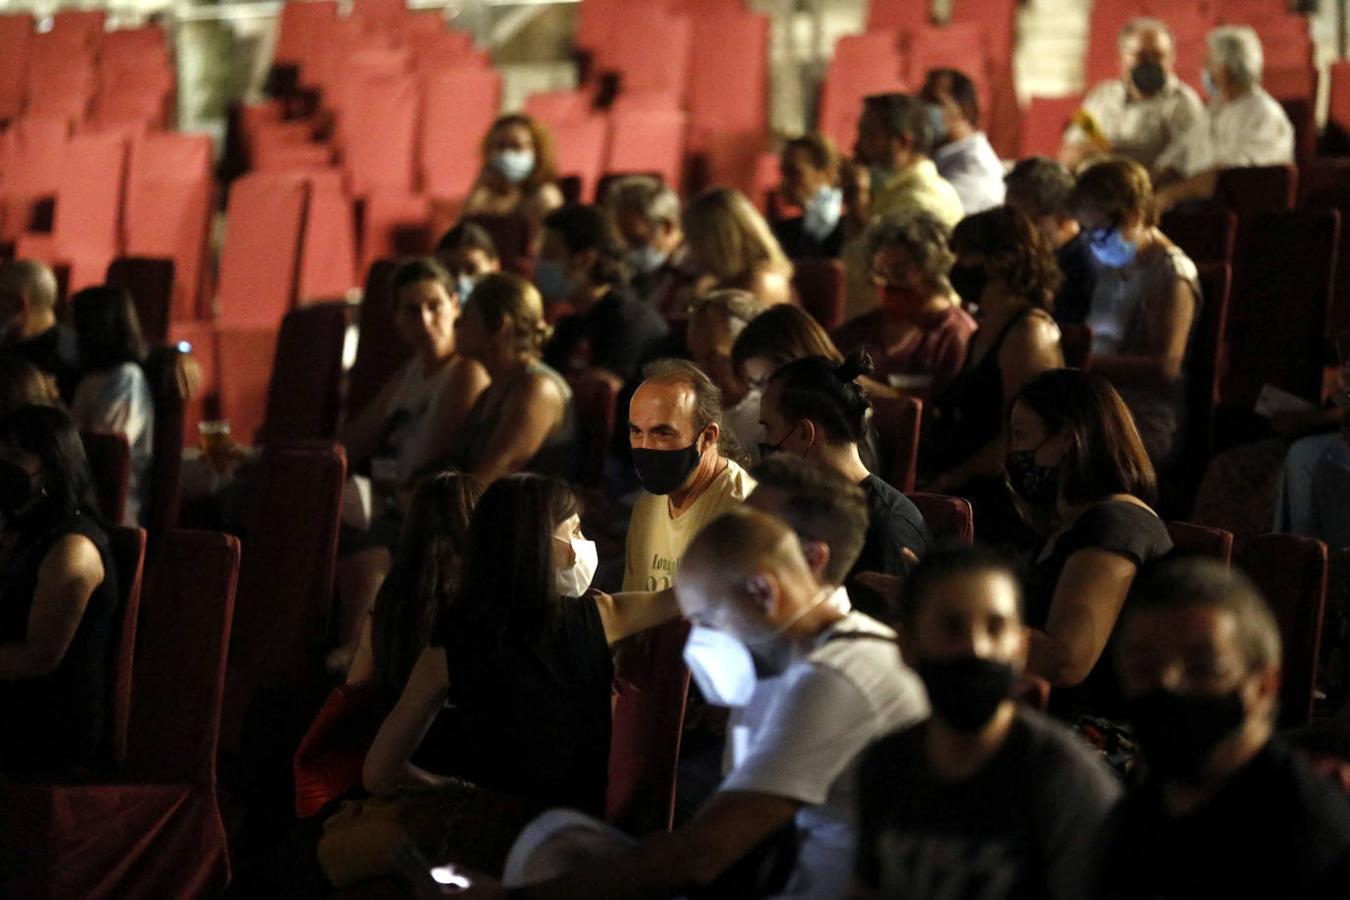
(58, 599)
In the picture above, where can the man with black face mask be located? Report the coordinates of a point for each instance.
(1147, 114)
(1227, 808)
(985, 799)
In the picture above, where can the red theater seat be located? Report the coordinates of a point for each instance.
(647, 142)
(897, 421)
(459, 106)
(897, 15)
(86, 228)
(512, 237)
(1206, 235)
(950, 519)
(109, 458)
(819, 284)
(301, 31)
(395, 225)
(166, 370)
(15, 33)
(328, 253)
(1199, 540)
(1044, 123)
(149, 280)
(34, 153)
(596, 399)
(304, 393)
(243, 369)
(329, 759)
(650, 53)
(380, 352)
(259, 261)
(128, 552)
(580, 149)
(378, 123)
(863, 64)
(557, 108)
(1251, 191)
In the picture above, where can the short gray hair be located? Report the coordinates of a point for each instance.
(1145, 23)
(644, 196)
(1237, 48)
(32, 278)
(923, 236)
(707, 396)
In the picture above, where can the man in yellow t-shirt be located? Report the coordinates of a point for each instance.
(674, 424)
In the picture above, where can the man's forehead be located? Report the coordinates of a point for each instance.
(1187, 627)
(663, 399)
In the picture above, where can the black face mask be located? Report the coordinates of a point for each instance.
(1036, 485)
(966, 692)
(662, 471)
(1177, 733)
(1149, 76)
(16, 488)
(969, 283)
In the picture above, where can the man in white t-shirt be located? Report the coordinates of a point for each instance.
(1247, 126)
(839, 685)
(674, 423)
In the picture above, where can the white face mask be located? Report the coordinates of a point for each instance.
(513, 165)
(822, 212)
(575, 580)
(646, 260)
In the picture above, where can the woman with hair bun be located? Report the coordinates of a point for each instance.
(525, 420)
(815, 409)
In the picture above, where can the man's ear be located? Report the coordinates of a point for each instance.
(817, 555)
(708, 438)
(810, 433)
(763, 590)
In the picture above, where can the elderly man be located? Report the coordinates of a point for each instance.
(1147, 114)
(1039, 189)
(1227, 808)
(674, 423)
(1245, 127)
(961, 151)
(647, 214)
(837, 684)
(28, 326)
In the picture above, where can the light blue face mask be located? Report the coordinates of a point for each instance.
(1112, 249)
(646, 260)
(1211, 89)
(551, 279)
(513, 165)
(822, 212)
(937, 124)
(465, 285)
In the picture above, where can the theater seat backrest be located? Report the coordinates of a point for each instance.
(896, 420)
(109, 458)
(950, 519)
(304, 395)
(459, 105)
(380, 352)
(1198, 540)
(128, 552)
(87, 225)
(150, 281)
(260, 258)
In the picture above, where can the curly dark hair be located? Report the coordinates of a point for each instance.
(1014, 250)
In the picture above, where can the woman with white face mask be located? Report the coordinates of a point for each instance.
(810, 169)
(1145, 303)
(519, 172)
(518, 668)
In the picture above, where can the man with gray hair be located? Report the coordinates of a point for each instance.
(1245, 125)
(647, 214)
(1227, 808)
(1147, 114)
(28, 326)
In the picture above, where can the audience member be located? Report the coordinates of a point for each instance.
(985, 798)
(421, 585)
(715, 322)
(1314, 486)
(1078, 468)
(525, 420)
(816, 410)
(822, 684)
(519, 172)
(1245, 126)
(918, 331)
(961, 151)
(58, 600)
(607, 329)
(1005, 270)
(731, 245)
(520, 665)
(28, 325)
(112, 394)
(23, 384)
(1227, 808)
(776, 336)
(675, 429)
(1146, 300)
(810, 168)
(1147, 115)
(1039, 189)
(468, 253)
(647, 214)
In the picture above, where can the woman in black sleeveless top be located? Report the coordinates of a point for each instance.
(58, 600)
(1007, 271)
(520, 663)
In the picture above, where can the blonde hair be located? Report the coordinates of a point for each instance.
(502, 297)
(730, 238)
(1115, 188)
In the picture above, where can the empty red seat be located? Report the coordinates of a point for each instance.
(1338, 110)
(819, 284)
(1206, 235)
(897, 421)
(379, 349)
(86, 225)
(149, 280)
(897, 15)
(34, 153)
(1044, 122)
(1252, 191)
(127, 546)
(580, 149)
(166, 369)
(647, 142)
(328, 252)
(15, 33)
(244, 354)
(863, 64)
(65, 94)
(1199, 540)
(728, 74)
(512, 237)
(997, 19)
(301, 31)
(258, 262)
(304, 392)
(109, 458)
(950, 519)
(329, 759)
(595, 398)
(80, 27)
(459, 106)
(378, 123)
(555, 108)
(395, 225)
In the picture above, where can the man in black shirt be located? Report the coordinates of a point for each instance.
(1039, 189)
(1227, 808)
(608, 329)
(28, 326)
(985, 799)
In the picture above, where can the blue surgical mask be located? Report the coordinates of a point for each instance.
(1112, 249)
(513, 165)
(465, 285)
(1211, 89)
(822, 212)
(937, 124)
(551, 279)
(646, 260)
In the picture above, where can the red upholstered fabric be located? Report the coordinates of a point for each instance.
(962, 46)
(645, 741)
(286, 583)
(1291, 572)
(301, 30)
(15, 33)
(731, 158)
(1199, 540)
(87, 224)
(950, 519)
(328, 255)
(379, 130)
(150, 281)
(652, 55)
(1338, 112)
(819, 284)
(897, 421)
(512, 237)
(580, 148)
(304, 394)
(891, 15)
(379, 349)
(458, 107)
(64, 93)
(863, 64)
(596, 400)
(394, 225)
(1206, 236)
(330, 756)
(436, 50)
(165, 369)
(647, 142)
(375, 10)
(128, 552)
(599, 20)
(555, 108)
(244, 356)
(33, 151)
(109, 458)
(998, 18)
(1204, 371)
(259, 261)
(84, 27)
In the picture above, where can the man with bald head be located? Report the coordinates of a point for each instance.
(674, 430)
(28, 326)
(1147, 114)
(759, 613)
